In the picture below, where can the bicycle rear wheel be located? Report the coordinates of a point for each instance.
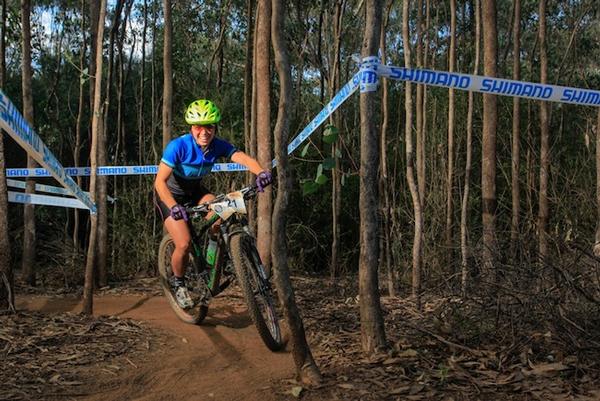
(193, 315)
(257, 290)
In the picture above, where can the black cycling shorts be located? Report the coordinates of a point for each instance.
(189, 199)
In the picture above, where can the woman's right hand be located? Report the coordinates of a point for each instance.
(178, 212)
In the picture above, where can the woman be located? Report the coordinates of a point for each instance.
(179, 180)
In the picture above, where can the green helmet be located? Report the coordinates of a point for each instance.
(202, 112)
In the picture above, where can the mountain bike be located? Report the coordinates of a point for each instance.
(235, 259)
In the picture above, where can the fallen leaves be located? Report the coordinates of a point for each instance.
(51, 353)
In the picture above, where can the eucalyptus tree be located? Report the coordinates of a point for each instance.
(371, 318)
(88, 289)
(543, 205)
(306, 367)
(464, 210)
(490, 125)
(516, 133)
(7, 298)
(29, 235)
(167, 105)
(263, 124)
(416, 197)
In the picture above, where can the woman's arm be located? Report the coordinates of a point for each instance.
(160, 184)
(245, 160)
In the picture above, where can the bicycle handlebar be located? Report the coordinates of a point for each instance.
(249, 192)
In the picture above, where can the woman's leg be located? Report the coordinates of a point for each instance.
(180, 234)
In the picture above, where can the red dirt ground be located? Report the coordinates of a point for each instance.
(223, 359)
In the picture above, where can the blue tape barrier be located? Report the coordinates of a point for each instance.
(16, 126)
(46, 200)
(109, 170)
(45, 188)
(493, 86)
(367, 80)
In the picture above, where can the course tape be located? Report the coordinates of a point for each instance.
(336, 102)
(35, 199)
(15, 125)
(109, 170)
(493, 86)
(45, 188)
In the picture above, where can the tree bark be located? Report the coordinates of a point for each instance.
(29, 235)
(597, 237)
(306, 368)
(516, 135)
(410, 165)
(490, 123)
(7, 297)
(88, 288)
(371, 318)
(167, 108)
(384, 184)
(263, 126)
(450, 171)
(336, 175)
(543, 206)
(464, 211)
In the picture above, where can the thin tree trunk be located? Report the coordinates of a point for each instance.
(7, 297)
(516, 135)
(420, 107)
(263, 126)
(78, 145)
(543, 207)
(371, 319)
(248, 68)
(597, 237)
(464, 211)
(167, 108)
(88, 288)
(336, 176)
(384, 184)
(306, 368)
(490, 123)
(450, 171)
(29, 235)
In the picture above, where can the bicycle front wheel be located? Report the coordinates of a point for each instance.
(257, 290)
(193, 315)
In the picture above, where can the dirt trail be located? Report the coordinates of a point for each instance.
(223, 359)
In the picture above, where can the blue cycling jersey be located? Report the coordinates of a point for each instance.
(190, 163)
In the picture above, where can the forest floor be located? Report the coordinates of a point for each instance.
(450, 349)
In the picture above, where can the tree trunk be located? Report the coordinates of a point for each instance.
(384, 184)
(516, 135)
(7, 297)
(410, 166)
(248, 67)
(543, 207)
(29, 237)
(263, 126)
(597, 238)
(450, 171)
(306, 368)
(88, 288)
(167, 108)
(78, 142)
(420, 111)
(371, 318)
(490, 123)
(336, 176)
(464, 211)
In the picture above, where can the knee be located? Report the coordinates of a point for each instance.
(182, 245)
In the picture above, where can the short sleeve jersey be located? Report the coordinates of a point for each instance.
(190, 163)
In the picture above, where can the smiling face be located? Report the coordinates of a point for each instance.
(203, 134)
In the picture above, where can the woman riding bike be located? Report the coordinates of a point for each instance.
(185, 161)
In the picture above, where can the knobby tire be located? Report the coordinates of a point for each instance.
(193, 315)
(245, 260)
